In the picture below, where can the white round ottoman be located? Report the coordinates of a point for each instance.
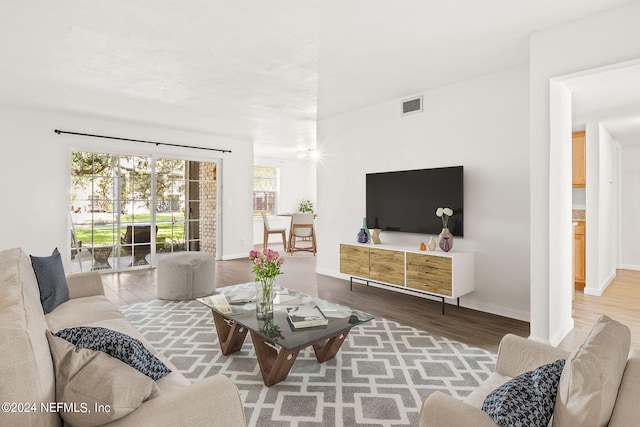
(186, 275)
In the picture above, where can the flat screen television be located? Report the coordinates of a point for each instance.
(406, 201)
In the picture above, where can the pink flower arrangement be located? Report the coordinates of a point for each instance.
(266, 263)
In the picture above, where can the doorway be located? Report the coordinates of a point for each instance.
(594, 101)
(128, 210)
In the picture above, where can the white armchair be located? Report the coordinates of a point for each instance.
(516, 356)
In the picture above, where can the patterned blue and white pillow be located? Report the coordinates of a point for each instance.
(121, 346)
(526, 400)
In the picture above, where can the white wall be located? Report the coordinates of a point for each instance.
(606, 221)
(596, 41)
(630, 212)
(560, 203)
(481, 124)
(602, 208)
(297, 182)
(35, 175)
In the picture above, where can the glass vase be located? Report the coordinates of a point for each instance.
(365, 227)
(264, 298)
(362, 236)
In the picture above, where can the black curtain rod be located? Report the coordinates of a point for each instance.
(139, 140)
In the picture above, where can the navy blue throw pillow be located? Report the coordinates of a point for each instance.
(121, 346)
(526, 400)
(52, 281)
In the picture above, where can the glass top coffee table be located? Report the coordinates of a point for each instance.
(276, 342)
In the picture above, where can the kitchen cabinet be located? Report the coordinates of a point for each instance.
(578, 157)
(579, 256)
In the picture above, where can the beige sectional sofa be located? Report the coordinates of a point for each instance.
(28, 378)
(599, 385)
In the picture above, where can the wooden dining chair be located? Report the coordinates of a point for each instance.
(268, 230)
(302, 228)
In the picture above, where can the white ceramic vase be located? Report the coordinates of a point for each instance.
(432, 244)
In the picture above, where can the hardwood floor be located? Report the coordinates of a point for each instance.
(478, 329)
(620, 301)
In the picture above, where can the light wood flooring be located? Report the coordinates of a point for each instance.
(620, 301)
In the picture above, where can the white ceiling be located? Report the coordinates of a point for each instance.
(259, 70)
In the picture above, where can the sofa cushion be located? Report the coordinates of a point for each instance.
(589, 384)
(526, 400)
(82, 311)
(121, 346)
(95, 387)
(26, 371)
(167, 384)
(627, 411)
(476, 397)
(51, 280)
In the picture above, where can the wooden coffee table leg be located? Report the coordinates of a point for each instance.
(230, 334)
(327, 348)
(274, 365)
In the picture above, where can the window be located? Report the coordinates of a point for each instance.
(125, 209)
(265, 190)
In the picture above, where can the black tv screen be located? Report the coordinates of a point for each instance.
(407, 201)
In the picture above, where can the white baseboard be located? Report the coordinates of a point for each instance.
(233, 256)
(599, 291)
(630, 267)
(593, 291)
(500, 311)
(558, 337)
(538, 339)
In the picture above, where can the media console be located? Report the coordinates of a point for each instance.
(434, 273)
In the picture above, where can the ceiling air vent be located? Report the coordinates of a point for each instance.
(413, 105)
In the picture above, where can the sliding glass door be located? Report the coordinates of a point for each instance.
(128, 210)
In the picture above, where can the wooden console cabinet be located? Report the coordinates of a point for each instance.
(440, 274)
(386, 266)
(354, 260)
(431, 274)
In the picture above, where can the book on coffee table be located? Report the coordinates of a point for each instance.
(243, 296)
(306, 317)
(217, 301)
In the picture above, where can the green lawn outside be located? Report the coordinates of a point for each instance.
(108, 235)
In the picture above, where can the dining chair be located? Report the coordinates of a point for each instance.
(268, 230)
(302, 228)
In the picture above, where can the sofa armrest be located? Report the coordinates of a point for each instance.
(86, 284)
(213, 401)
(518, 355)
(441, 410)
(627, 411)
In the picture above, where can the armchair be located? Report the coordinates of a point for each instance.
(137, 242)
(598, 385)
(516, 355)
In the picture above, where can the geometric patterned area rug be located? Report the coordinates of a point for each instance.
(380, 376)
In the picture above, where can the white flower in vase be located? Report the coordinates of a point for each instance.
(445, 214)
